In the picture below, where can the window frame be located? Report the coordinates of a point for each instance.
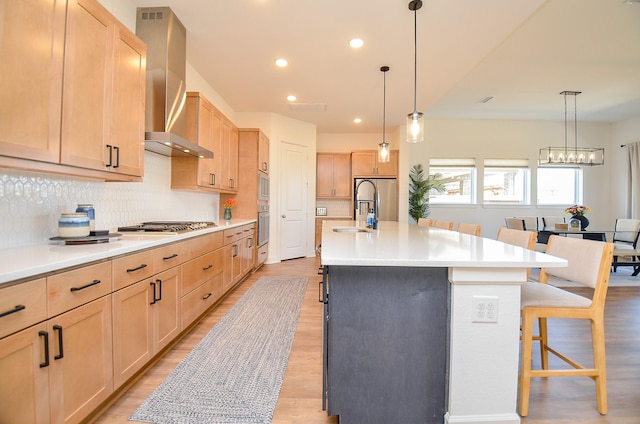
(578, 185)
(436, 165)
(522, 165)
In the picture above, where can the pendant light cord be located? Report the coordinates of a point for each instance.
(384, 106)
(415, 58)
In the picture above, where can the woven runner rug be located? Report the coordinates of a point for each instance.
(235, 373)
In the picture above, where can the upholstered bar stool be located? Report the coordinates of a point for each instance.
(589, 264)
(446, 225)
(473, 229)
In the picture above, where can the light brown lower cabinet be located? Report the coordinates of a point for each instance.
(60, 370)
(69, 340)
(146, 317)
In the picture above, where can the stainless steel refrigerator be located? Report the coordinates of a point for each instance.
(365, 190)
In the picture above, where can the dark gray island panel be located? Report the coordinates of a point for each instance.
(386, 344)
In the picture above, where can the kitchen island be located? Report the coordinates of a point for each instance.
(421, 324)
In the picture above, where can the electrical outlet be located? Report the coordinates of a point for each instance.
(485, 309)
(321, 211)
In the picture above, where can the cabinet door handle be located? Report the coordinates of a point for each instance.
(46, 348)
(235, 250)
(110, 147)
(117, 149)
(60, 355)
(250, 242)
(264, 166)
(159, 289)
(18, 308)
(166, 258)
(153, 284)
(93, 283)
(137, 268)
(232, 183)
(213, 179)
(207, 267)
(207, 296)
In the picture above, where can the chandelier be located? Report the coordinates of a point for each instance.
(563, 156)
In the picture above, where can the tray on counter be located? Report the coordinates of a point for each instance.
(102, 238)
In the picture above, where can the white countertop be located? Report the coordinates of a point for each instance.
(29, 261)
(398, 244)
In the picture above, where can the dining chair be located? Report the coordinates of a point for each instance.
(446, 225)
(548, 222)
(625, 243)
(514, 223)
(425, 222)
(473, 229)
(530, 222)
(588, 265)
(522, 238)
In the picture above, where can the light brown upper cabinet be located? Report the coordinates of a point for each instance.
(364, 163)
(333, 175)
(263, 153)
(75, 107)
(229, 156)
(203, 126)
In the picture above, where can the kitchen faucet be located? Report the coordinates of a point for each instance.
(375, 201)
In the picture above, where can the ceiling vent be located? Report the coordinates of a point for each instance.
(308, 107)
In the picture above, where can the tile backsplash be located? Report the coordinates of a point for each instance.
(30, 202)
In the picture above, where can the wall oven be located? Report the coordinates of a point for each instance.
(263, 187)
(263, 225)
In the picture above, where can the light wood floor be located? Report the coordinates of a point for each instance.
(557, 401)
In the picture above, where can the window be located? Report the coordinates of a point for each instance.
(459, 179)
(559, 186)
(506, 182)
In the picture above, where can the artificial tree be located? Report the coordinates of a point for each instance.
(419, 189)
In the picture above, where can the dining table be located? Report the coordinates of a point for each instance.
(597, 234)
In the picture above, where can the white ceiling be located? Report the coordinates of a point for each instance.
(521, 52)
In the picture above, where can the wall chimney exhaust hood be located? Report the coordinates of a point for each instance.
(166, 92)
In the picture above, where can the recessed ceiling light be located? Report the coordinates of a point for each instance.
(291, 98)
(356, 43)
(281, 62)
(357, 120)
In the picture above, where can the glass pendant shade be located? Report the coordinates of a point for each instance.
(383, 152)
(415, 127)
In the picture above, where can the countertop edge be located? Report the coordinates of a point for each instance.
(33, 261)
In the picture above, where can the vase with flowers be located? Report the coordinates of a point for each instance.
(228, 205)
(578, 219)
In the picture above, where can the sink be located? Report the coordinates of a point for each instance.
(351, 230)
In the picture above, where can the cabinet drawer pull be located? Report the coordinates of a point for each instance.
(137, 268)
(93, 283)
(207, 296)
(60, 355)
(166, 258)
(207, 267)
(18, 308)
(46, 348)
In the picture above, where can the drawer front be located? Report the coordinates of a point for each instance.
(201, 269)
(70, 289)
(232, 235)
(198, 246)
(166, 257)
(201, 299)
(132, 268)
(22, 305)
(248, 230)
(263, 252)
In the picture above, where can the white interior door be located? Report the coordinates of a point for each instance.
(293, 201)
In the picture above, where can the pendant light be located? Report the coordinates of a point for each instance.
(383, 148)
(415, 120)
(567, 156)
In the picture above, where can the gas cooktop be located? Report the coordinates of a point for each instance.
(168, 227)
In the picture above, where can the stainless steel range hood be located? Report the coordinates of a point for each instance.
(166, 91)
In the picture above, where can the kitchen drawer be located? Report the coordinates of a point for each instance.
(29, 300)
(70, 289)
(200, 299)
(248, 230)
(201, 269)
(168, 256)
(232, 235)
(263, 252)
(133, 268)
(198, 246)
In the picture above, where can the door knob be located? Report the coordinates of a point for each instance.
(284, 216)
